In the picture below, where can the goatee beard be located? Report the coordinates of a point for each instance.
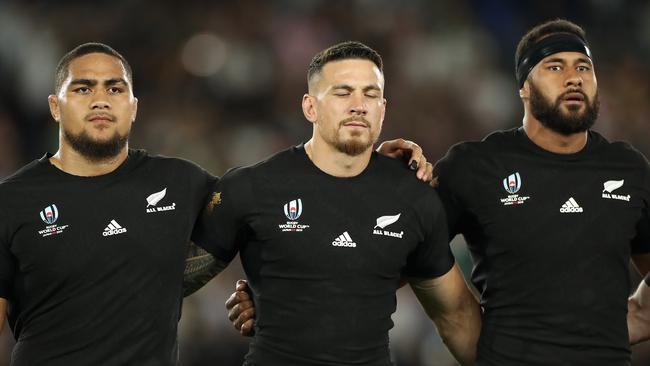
(552, 117)
(96, 151)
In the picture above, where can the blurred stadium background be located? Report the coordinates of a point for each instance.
(220, 82)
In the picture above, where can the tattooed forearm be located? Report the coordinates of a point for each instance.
(200, 268)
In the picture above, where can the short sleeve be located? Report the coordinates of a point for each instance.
(202, 187)
(7, 259)
(641, 242)
(448, 176)
(432, 257)
(221, 224)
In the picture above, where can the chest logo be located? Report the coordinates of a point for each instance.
(113, 228)
(344, 240)
(512, 185)
(384, 221)
(571, 206)
(154, 198)
(612, 185)
(49, 215)
(293, 210)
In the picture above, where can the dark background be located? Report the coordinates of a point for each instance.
(220, 83)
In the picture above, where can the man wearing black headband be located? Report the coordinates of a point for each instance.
(551, 212)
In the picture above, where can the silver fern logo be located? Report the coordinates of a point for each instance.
(154, 198)
(612, 185)
(384, 221)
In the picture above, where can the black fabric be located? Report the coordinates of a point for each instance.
(325, 288)
(552, 267)
(83, 290)
(555, 43)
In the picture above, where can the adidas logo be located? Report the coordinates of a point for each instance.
(113, 228)
(571, 206)
(344, 240)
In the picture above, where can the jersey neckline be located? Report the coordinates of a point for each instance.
(300, 150)
(531, 146)
(125, 167)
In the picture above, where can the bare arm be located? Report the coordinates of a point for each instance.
(3, 312)
(200, 268)
(454, 310)
(638, 305)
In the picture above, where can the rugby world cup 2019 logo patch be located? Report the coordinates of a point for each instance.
(292, 211)
(49, 215)
(512, 184)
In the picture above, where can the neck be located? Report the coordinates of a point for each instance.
(335, 163)
(72, 162)
(553, 141)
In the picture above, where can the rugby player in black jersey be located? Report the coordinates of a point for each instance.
(93, 238)
(333, 226)
(552, 213)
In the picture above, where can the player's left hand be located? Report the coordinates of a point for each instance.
(410, 152)
(241, 310)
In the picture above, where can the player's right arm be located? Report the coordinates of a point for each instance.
(3, 312)
(454, 310)
(638, 315)
(220, 225)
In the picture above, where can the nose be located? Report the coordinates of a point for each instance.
(573, 79)
(100, 101)
(358, 106)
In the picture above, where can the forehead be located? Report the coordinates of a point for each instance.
(96, 66)
(567, 57)
(352, 71)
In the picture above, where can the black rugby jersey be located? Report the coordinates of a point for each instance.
(551, 236)
(324, 255)
(92, 267)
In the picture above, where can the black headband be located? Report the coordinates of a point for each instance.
(560, 42)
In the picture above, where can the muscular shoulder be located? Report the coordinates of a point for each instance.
(172, 165)
(17, 180)
(619, 150)
(396, 178)
(277, 164)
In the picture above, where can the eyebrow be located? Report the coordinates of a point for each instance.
(93, 82)
(562, 60)
(350, 88)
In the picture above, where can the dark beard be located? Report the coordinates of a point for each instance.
(550, 115)
(352, 148)
(96, 151)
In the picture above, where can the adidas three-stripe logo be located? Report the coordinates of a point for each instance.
(571, 206)
(113, 228)
(344, 240)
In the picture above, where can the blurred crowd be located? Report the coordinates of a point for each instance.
(220, 82)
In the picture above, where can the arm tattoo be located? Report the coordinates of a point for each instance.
(200, 268)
